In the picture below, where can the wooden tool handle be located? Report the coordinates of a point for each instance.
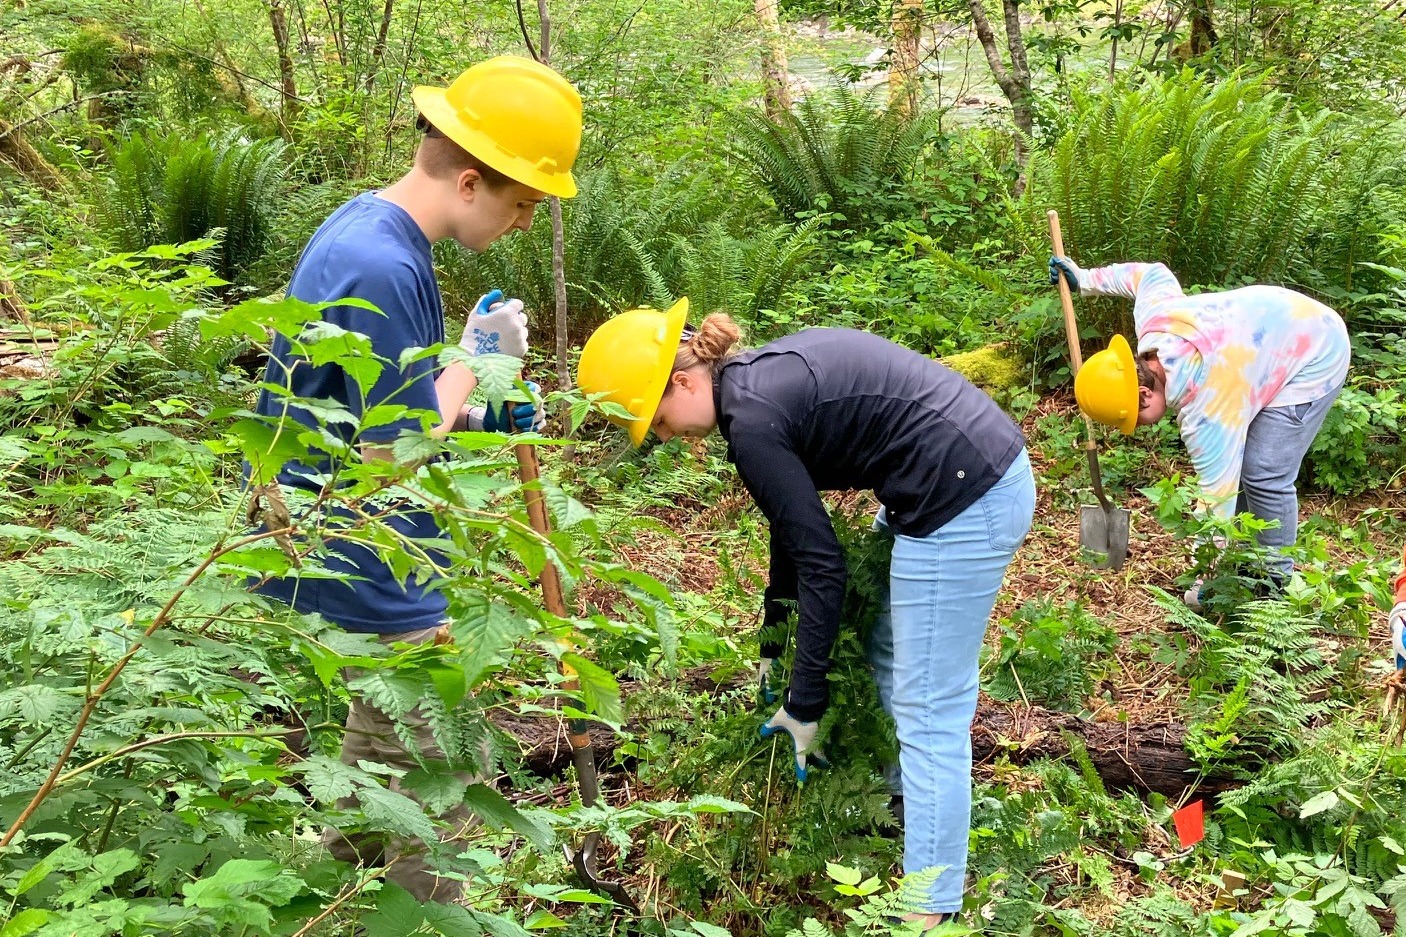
(1071, 327)
(552, 596)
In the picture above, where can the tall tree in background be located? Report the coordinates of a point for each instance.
(776, 87)
(1014, 81)
(906, 54)
(554, 203)
(289, 88)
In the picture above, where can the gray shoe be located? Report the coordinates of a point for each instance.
(1192, 597)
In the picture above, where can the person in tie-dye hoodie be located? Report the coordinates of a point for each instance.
(1250, 373)
(1396, 621)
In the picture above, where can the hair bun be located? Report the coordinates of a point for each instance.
(716, 336)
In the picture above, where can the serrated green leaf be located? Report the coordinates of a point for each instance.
(709, 803)
(495, 810)
(36, 704)
(497, 374)
(538, 920)
(451, 920)
(330, 780)
(598, 688)
(25, 922)
(397, 913)
(484, 632)
(499, 926)
(843, 874)
(412, 447)
(439, 789)
(709, 930)
(396, 813)
(450, 682)
(1324, 800)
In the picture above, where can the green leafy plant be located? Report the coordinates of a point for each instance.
(174, 189)
(839, 154)
(1049, 655)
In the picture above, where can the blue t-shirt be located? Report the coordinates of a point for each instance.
(373, 250)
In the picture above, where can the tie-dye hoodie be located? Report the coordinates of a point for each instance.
(1228, 356)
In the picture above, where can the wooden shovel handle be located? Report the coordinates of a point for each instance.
(552, 596)
(1071, 327)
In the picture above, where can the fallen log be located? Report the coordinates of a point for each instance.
(1142, 757)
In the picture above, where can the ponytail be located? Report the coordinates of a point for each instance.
(710, 345)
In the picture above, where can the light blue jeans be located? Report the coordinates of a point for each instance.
(924, 652)
(1275, 446)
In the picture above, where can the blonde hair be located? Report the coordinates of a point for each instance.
(710, 345)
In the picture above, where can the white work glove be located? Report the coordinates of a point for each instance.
(765, 694)
(1397, 622)
(802, 738)
(496, 327)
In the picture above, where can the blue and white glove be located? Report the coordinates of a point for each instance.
(523, 417)
(802, 738)
(496, 327)
(1397, 622)
(1063, 266)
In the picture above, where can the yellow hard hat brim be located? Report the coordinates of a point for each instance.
(675, 317)
(1127, 390)
(438, 111)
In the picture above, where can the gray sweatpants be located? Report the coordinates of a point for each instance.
(1278, 439)
(371, 736)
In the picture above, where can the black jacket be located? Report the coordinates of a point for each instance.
(834, 410)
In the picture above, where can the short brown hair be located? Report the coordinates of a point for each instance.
(1145, 377)
(442, 158)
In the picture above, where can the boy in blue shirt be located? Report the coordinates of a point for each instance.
(496, 142)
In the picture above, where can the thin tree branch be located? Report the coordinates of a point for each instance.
(526, 37)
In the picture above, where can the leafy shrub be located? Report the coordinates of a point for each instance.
(1221, 181)
(642, 246)
(1049, 655)
(840, 154)
(170, 190)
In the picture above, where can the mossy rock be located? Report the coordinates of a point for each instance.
(994, 368)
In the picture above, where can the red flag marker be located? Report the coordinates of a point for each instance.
(1191, 823)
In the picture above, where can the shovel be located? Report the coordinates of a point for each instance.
(1103, 529)
(583, 753)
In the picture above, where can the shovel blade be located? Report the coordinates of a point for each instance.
(1105, 535)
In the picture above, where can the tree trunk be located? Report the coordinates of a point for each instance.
(288, 115)
(1203, 30)
(558, 238)
(1014, 82)
(378, 51)
(12, 307)
(907, 24)
(776, 85)
(27, 161)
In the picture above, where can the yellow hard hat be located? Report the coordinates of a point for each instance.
(1106, 386)
(517, 115)
(629, 359)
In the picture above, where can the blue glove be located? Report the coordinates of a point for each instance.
(1069, 269)
(802, 738)
(510, 417)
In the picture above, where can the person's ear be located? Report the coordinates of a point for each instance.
(469, 182)
(1144, 398)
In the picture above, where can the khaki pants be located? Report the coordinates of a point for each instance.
(371, 736)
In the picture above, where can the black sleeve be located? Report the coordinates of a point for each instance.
(779, 596)
(782, 488)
